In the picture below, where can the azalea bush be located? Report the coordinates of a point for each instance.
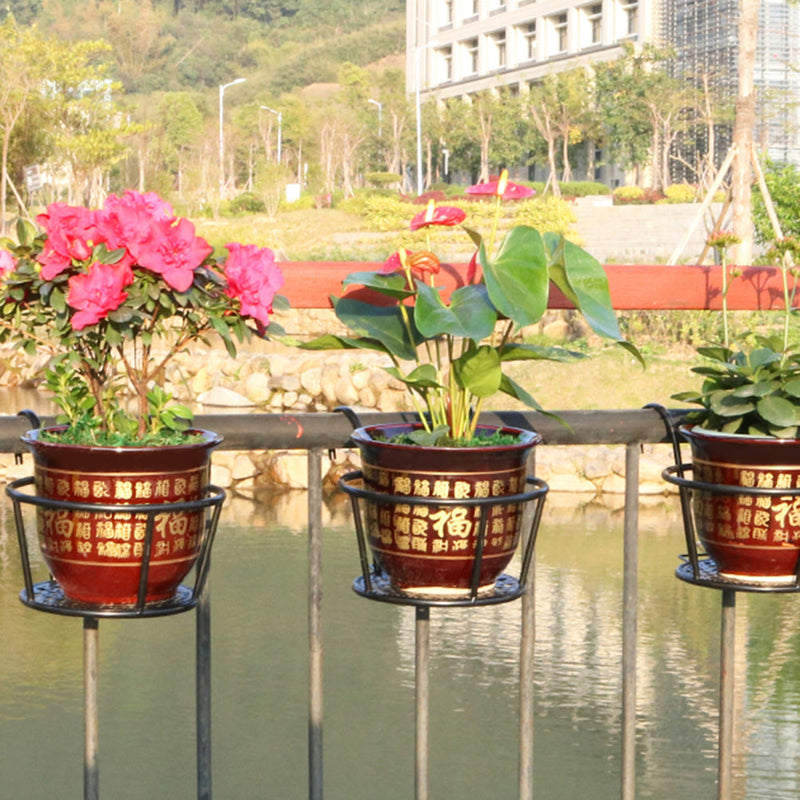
(450, 351)
(113, 294)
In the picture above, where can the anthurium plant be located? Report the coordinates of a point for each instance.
(450, 351)
(113, 294)
(752, 387)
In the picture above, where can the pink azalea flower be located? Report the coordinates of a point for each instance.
(7, 262)
(129, 221)
(174, 252)
(438, 215)
(501, 188)
(96, 292)
(253, 278)
(72, 234)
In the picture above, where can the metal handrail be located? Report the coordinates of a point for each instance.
(326, 430)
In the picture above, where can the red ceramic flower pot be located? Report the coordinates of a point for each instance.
(752, 538)
(97, 557)
(429, 549)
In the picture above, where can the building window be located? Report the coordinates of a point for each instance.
(630, 18)
(558, 34)
(446, 13)
(470, 48)
(592, 25)
(497, 49)
(444, 65)
(528, 36)
(496, 6)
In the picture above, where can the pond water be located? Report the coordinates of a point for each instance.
(260, 678)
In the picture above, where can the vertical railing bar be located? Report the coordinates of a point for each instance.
(422, 702)
(315, 645)
(91, 773)
(526, 693)
(203, 695)
(527, 649)
(629, 621)
(726, 686)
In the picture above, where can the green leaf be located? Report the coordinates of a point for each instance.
(57, 300)
(422, 378)
(583, 281)
(517, 279)
(392, 285)
(779, 411)
(330, 341)
(792, 387)
(513, 389)
(534, 352)
(724, 404)
(429, 438)
(382, 323)
(479, 371)
(470, 314)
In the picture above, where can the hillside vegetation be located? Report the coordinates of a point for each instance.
(171, 45)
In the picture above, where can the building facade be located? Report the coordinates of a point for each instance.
(456, 48)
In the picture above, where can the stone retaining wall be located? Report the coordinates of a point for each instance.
(268, 377)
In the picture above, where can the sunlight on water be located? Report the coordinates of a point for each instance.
(260, 678)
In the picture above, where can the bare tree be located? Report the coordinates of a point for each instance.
(743, 132)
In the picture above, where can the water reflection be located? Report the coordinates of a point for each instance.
(258, 585)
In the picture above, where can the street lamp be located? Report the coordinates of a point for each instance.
(280, 118)
(380, 114)
(222, 89)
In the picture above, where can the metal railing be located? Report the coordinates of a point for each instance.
(317, 433)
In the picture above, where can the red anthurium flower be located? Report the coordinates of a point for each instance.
(392, 264)
(424, 261)
(438, 215)
(473, 269)
(174, 252)
(502, 188)
(96, 292)
(253, 278)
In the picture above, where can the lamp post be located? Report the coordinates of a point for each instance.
(222, 89)
(280, 119)
(380, 115)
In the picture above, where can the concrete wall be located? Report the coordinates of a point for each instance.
(644, 234)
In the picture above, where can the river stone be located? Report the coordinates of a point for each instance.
(220, 396)
(345, 392)
(311, 381)
(256, 387)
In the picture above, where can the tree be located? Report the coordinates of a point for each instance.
(395, 118)
(641, 107)
(21, 76)
(181, 122)
(559, 106)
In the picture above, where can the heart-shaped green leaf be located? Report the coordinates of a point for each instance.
(469, 315)
(478, 371)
